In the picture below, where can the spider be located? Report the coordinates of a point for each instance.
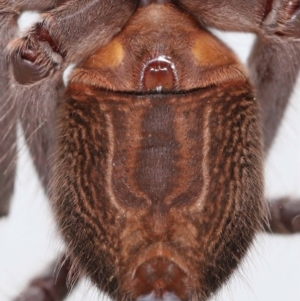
(152, 155)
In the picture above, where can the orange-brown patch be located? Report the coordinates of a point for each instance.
(109, 56)
(208, 51)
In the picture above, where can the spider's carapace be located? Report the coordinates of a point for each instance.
(169, 188)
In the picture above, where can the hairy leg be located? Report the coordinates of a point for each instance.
(266, 17)
(8, 113)
(234, 15)
(275, 60)
(274, 68)
(284, 216)
(67, 33)
(9, 104)
(84, 21)
(51, 286)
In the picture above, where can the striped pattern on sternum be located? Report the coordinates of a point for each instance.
(182, 171)
(82, 205)
(157, 152)
(234, 170)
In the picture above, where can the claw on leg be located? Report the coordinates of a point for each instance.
(293, 25)
(35, 57)
(26, 71)
(284, 216)
(282, 17)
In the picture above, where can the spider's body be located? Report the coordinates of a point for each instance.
(155, 165)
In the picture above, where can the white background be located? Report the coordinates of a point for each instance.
(271, 272)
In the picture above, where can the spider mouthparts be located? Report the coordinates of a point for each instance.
(158, 75)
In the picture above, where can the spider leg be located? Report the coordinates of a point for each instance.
(274, 69)
(67, 33)
(275, 60)
(9, 105)
(244, 15)
(284, 216)
(266, 17)
(37, 117)
(51, 286)
(8, 113)
(274, 63)
(45, 52)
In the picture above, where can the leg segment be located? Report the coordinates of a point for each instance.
(274, 68)
(265, 17)
(9, 103)
(8, 113)
(66, 34)
(49, 287)
(37, 117)
(275, 60)
(284, 216)
(36, 5)
(235, 15)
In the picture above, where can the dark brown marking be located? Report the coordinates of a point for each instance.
(157, 156)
